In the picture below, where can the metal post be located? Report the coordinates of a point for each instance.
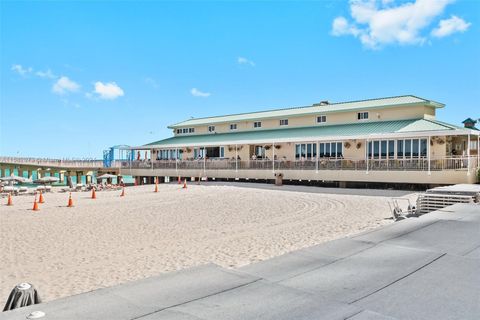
(468, 154)
(236, 158)
(316, 156)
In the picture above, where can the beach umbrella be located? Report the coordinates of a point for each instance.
(13, 179)
(106, 176)
(46, 180)
(22, 295)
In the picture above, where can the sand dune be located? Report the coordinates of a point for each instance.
(110, 240)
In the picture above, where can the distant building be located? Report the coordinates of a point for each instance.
(384, 140)
(470, 123)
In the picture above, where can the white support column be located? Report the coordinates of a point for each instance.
(366, 152)
(478, 151)
(273, 157)
(236, 158)
(204, 159)
(428, 155)
(468, 154)
(176, 159)
(316, 160)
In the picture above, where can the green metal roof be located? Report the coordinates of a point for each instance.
(317, 108)
(341, 130)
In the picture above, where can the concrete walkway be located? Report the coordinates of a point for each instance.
(420, 268)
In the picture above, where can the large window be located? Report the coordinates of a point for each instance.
(382, 149)
(305, 151)
(412, 148)
(331, 150)
(169, 154)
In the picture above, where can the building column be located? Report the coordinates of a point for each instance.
(20, 172)
(79, 177)
(316, 156)
(39, 173)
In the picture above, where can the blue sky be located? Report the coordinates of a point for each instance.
(77, 77)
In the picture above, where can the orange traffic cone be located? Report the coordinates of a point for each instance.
(94, 195)
(179, 180)
(184, 184)
(123, 192)
(40, 198)
(9, 201)
(35, 204)
(70, 201)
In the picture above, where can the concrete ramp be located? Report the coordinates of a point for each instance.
(419, 268)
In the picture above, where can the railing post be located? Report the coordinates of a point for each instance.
(204, 159)
(316, 158)
(366, 152)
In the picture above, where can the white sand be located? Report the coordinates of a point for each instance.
(111, 240)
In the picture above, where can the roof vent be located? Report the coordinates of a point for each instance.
(324, 103)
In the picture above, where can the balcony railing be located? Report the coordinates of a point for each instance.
(415, 164)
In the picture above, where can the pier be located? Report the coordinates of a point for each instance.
(61, 168)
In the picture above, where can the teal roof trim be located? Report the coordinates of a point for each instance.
(346, 130)
(408, 100)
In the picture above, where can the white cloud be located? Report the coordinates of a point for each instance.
(197, 93)
(377, 23)
(46, 74)
(152, 82)
(64, 85)
(108, 91)
(18, 68)
(243, 60)
(448, 26)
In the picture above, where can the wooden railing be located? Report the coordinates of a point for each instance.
(418, 164)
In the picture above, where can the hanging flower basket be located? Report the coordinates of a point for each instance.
(277, 146)
(347, 145)
(359, 145)
(440, 141)
(267, 147)
(188, 150)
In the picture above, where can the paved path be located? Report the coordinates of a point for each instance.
(423, 268)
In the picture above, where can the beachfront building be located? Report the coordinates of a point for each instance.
(385, 140)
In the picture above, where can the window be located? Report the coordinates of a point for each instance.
(321, 119)
(400, 149)
(284, 122)
(257, 124)
(191, 130)
(185, 130)
(391, 149)
(211, 128)
(408, 148)
(306, 151)
(179, 131)
(233, 126)
(474, 145)
(331, 150)
(362, 115)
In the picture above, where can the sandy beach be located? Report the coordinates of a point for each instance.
(111, 240)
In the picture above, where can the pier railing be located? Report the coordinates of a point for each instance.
(414, 164)
(62, 163)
